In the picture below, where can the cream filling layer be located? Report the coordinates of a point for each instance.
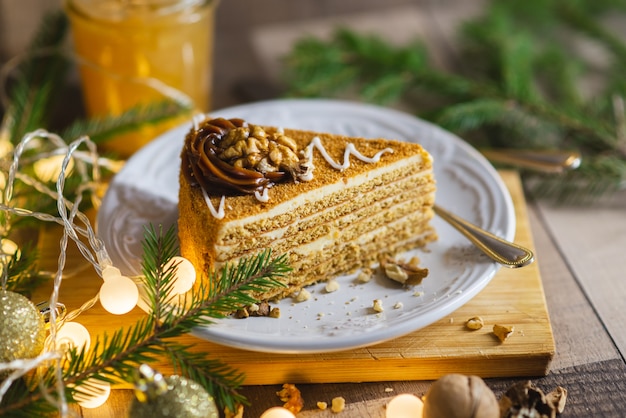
(320, 194)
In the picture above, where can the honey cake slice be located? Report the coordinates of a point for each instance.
(332, 203)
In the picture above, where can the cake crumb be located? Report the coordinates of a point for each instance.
(322, 405)
(275, 313)
(364, 276)
(377, 305)
(398, 305)
(331, 286)
(388, 390)
(303, 295)
(418, 294)
(338, 404)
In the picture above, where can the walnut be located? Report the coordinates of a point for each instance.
(256, 309)
(338, 404)
(524, 399)
(474, 323)
(402, 272)
(459, 396)
(251, 147)
(292, 398)
(503, 331)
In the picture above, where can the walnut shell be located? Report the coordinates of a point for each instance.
(459, 396)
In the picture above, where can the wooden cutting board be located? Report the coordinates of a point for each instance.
(513, 297)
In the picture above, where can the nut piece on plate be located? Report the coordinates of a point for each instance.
(410, 273)
(460, 396)
(524, 399)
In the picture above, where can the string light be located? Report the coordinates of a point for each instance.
(93, 393)
(72, 334)
(278, 412)
(405, 406)
(119, 294)
(184, 276)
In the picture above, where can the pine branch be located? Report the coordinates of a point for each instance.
(39, 78)
(519, 86)
(102, 129)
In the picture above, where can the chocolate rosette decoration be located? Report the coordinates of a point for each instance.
(230, 156)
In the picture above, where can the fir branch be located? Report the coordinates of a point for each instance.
(203, 370)
(101, 129)
(38, 78)
(519, 85)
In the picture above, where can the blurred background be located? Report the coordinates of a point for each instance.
(240, 72)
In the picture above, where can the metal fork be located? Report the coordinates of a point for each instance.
(502, 251)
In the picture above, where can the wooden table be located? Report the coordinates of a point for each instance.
(580, 251)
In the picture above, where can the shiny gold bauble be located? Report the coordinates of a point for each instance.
(22, 328)
(183, 398)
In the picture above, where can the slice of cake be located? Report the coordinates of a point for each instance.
(332, 203)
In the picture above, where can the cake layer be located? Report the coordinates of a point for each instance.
(351, 217)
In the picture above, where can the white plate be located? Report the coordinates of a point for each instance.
(146, 191)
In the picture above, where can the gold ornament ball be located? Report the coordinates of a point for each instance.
(183, 398)
(22, 328)
(460, 396)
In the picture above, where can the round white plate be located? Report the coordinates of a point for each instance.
(146, 191)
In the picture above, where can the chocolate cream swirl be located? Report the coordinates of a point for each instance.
(205, 162)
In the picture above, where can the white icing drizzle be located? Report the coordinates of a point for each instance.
(196, 120)
(316, 142)
(350, 150)
(262, 197)
(219, 213)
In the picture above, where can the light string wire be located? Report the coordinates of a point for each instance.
(95, 253)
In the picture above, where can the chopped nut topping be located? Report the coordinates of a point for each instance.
(338, 404)
(292, 398)
(502, 331)
(251, 147)
(475, 323)
(405, 273)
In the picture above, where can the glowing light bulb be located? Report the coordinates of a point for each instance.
(94, 393)
(277, 412)
(405, 406)
(118, 294)
(72, 334)
(184, 276)
(48, 169)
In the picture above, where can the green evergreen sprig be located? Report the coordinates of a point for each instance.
(114, 358)
(516, 84)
